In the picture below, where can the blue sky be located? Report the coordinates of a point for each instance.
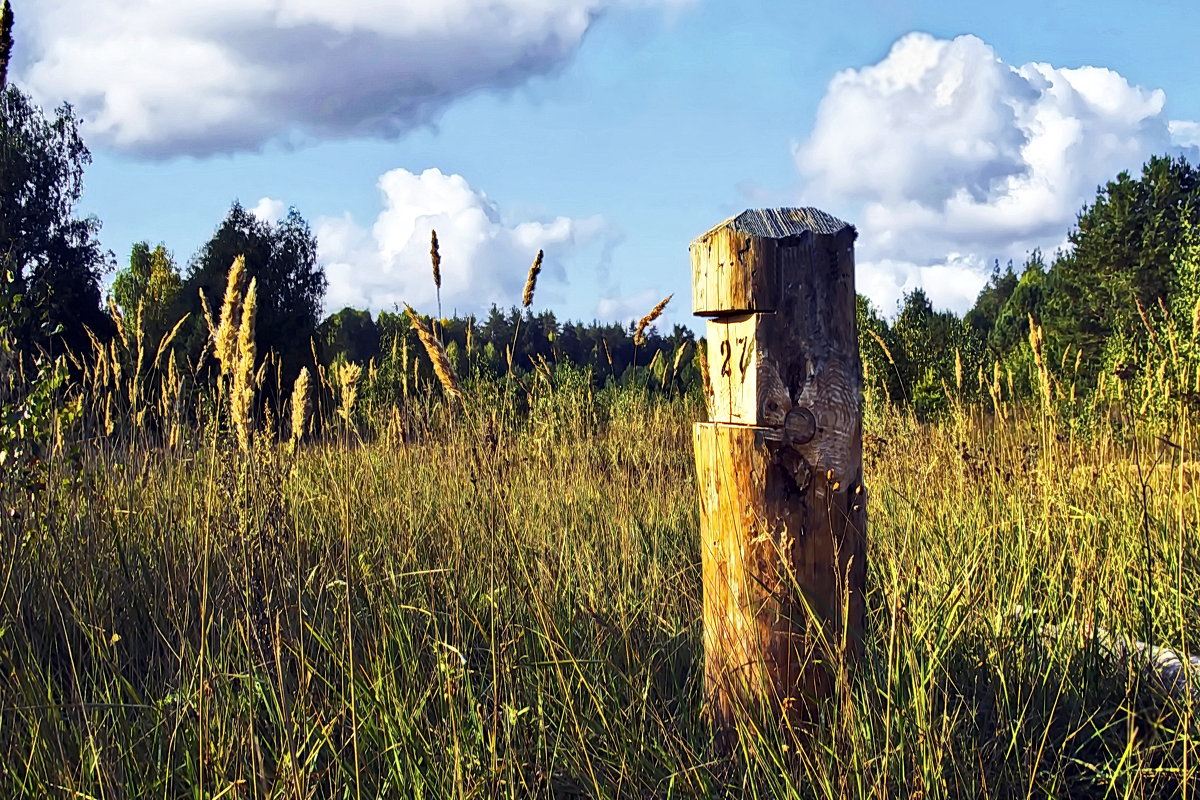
(611, 132)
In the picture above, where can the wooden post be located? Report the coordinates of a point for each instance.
(782, 503)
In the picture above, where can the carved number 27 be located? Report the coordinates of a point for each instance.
(727, 355)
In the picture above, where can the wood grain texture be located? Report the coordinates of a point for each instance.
(733, 272)
(782, 501)
(735, 264)
(800, 362)
(784, 564)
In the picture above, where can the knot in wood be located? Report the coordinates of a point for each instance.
(800, 425)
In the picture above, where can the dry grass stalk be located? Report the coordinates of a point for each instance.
(99, 371)
(404, 366)
(301, 406)
(437, 355)
(1036, 343)
(225, 339)
(171, 396)
(542, 367)
(680, 354)
(349, 375)
(169, 337)
(260, 377)
(242, 391)
(208, 316)
(706, 380)
(135, 382)
(654, 361)
(883, 346)
(435, 258)
(119, 319)
(639, 337)
(531, 280)
(115, 364)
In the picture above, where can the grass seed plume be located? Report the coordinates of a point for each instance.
(531, 281)
(639, 337)
(437, 355)
(243, 387)
(225, 337)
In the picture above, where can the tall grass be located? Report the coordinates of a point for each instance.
(464, 601)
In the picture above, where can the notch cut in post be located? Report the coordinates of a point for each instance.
(783, 507)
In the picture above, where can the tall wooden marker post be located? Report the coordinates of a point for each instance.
(782, 505)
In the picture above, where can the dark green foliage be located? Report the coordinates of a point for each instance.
(1122, 255)
(516, 342)
(990, 305)
(350, 334)
(54, 258)
(6, 41)
(29, 407)
(291, 284)
(1011, 330)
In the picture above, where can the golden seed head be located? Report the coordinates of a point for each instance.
(639, 337)
(883, 346)
(437, 355)
(242, 389)
(225, 338)
(349, 375)
(531, 280)
(679, 354)
(301, 405)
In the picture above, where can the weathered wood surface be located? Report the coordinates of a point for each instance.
(783, 508)
(733, 272)
(735, 268)
(784, 563)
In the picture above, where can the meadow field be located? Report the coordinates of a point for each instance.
(500, 597)
(268, 532)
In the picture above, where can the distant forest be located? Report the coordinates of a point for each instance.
(1123, 299)
(1128, 287)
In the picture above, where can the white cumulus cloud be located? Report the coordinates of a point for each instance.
(164, 77)
(269, 210)
(485, 257)
(951, 158)
(1185, 133)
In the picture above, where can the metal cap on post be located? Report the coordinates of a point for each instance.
(782, 504)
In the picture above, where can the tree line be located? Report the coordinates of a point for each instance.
(1121, 298)
(1102, 307)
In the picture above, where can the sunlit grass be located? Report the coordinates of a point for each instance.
(500, 606)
